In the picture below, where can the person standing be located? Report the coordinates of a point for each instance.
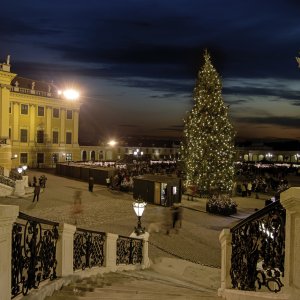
(108, 182)
(91, 184)
(249, 188)
(36, 192)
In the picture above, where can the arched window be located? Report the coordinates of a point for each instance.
(84, 155)
(93, 155)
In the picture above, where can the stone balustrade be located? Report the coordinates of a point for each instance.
(64, 256)
(290, 290)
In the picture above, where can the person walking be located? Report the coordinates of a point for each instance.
(91, 184)
(36, 192)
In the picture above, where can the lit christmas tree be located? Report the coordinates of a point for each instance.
(207, 149)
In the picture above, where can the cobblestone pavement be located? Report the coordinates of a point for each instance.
(111, 211)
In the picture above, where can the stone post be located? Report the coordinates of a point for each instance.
(226, 250)
(19, 188)
(8, 215)
(145, 238)
(290, 200)
(110, 251)
(64, 249)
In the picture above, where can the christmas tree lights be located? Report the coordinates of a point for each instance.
(207, 149)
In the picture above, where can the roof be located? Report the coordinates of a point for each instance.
(38, 85)
(158, 178)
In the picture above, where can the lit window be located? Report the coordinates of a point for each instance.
(23, 158)
(55, 112)
(23, 135)
(24, 109)
(41, 111)
(55, 137)
(40, 158)
(40, 136)
(69, 114)
(69, 138)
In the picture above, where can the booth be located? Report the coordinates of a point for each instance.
(162, 190)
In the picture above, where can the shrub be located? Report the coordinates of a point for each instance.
(221, 205)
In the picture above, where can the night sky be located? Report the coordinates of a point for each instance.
(135, 62)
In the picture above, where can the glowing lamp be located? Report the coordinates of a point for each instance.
(139, 207)
(20, 170)
(112, 143)
(71, 94)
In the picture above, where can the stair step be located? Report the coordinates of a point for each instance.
(131, 297)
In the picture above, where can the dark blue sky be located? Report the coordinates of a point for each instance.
(135, 62)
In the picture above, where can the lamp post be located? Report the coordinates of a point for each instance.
(139, 206)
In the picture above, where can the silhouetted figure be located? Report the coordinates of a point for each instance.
(34, 181)
(36, 193)
(91, 184)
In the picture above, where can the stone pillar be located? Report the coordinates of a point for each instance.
(110, 251)
(32, 129)
(75, 127)
(145, 238)
(290, 200)
(226, 250)
(8, 215)
(64, 249)
(48, 123)
(15, 129)
(62, 126)
(19, 188)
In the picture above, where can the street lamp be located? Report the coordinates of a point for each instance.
(139, 206)
(112, 143)
(24, 169)
(20, 170)
(269, 156)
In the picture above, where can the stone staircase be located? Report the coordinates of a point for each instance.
(150, 284)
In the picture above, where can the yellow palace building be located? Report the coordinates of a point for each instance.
(38, 122)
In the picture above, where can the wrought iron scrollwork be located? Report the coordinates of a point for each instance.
(33, 253)
(129, 250)
(88, 249)
(258, 249)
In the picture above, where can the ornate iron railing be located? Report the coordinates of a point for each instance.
(7, 181)
(88, 249)
(258, 248)
(33, 253)
(129, 250)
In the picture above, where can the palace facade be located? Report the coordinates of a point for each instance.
(38, 125)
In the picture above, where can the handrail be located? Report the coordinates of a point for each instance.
(256, 215)
(35, 219)
(89, 230)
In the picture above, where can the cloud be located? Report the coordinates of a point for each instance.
(290, 122)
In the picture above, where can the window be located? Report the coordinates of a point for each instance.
(55, 112)
(41, 111)
(9, 133)
(40, 136)
(40, 158)
(23, 158)
(24, 109)
(69, 114)
(69, 156)
(69, 138)
(9, 109)
(23, 135)
(55, 137)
